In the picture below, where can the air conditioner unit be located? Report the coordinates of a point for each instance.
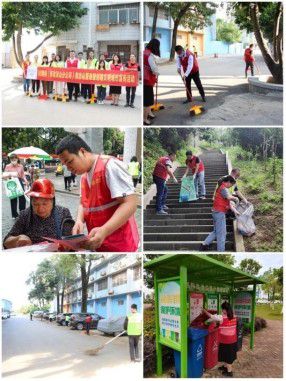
(110, 292)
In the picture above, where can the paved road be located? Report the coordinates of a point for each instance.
(20, 110)
(228, 99)
(35, 349)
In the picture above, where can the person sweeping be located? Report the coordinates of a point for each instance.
(133, 325)
(188, 64)
(107, 201)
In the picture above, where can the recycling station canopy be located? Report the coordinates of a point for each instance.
(175, 276)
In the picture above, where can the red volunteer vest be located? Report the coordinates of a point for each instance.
(149, 78)
(228, 331)
(88, 319)
(184, 62)
(73, 63)
(247, 56)
(115, 67)
(220, 204)
(160, 169)
(99, 207)
(131, 66)
(192, 165)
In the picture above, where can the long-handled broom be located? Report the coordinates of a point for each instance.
(94, 352)
(194, 110)
(157, 106)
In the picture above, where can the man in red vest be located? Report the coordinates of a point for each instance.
(107, 201)
(249, 60)
(196, 166)
(188, 64)
(72, 62)
(161, 173)
(221, 205)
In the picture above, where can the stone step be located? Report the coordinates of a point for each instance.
(181, 246)
(178, 216)
(175, 201)
(182, 222)
(184, 205)
(186, 210)
(179, 237)
(182, 229)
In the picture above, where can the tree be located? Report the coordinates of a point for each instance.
(250, 266)
(47, 18)
(113, 140)
(192, 15)
(228, 259)
(265, 19)
(273, 279)
(227, 32)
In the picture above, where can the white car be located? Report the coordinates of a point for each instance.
(5, 315)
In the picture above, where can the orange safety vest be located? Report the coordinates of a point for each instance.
(99, 207)
(228, 331)
(220, 204)
(185, 59)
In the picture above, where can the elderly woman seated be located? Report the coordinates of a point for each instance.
(42, 219)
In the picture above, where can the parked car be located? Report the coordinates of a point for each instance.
(4, 315)
(52, 316)
(61, 318)
(111, 326)
(38, 314)
(77, 321)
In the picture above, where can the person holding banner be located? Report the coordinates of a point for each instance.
(72, 62)
(101, 89)
(45, 84)
(108, 201)
(15, 169)
(115, 91)
(25, 64)
(131, 65)
(35, 82)
(91, 63)
(59, 86)
(81, 65)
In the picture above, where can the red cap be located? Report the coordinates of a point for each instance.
(42, 188)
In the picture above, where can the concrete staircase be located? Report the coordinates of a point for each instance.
(188, 223)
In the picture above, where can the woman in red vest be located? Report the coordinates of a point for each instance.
(115, 91)
(196, 166)
(107, 202)
(131, 65)
(221, 205)
(150, 77)
(72, 62)
(227, 338)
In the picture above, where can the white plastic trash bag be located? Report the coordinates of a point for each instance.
(245, 223)
(13, 188)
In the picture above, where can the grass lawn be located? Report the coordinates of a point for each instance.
(266, 312)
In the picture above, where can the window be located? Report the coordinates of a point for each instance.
(103, 17)
(119, 279)
(122, 16)
(120, 302)
(133, 15)
(102, 284)
(137, 273)
(113, 16)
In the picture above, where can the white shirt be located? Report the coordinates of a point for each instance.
(118, 179)
(190, 63)
(153, 65)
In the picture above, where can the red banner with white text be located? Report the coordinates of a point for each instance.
(89, 76)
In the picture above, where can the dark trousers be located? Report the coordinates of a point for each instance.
(87, 328)
(101, 93)
(14, 204)
(131, 90)
(133, 347)
(197, 80)
(35, 85)
(45, 87)
(50, 87)
(135, 181)
(73, 178)
(247, 65)
(67, 182)
(162, 191)
(73, 87)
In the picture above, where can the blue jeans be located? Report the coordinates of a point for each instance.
(26, 85)
(162, 191)
(101, 93)
(219, 232)
(200, 184)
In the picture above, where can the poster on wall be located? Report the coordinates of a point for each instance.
(242, 303)
(212, 302)
(196, 305)
(169, 311)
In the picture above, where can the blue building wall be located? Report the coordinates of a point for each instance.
(136, 299)
(101, 307)
(165, 40)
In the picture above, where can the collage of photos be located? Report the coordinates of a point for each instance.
(142, 190)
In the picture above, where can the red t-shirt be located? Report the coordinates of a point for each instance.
(88, 319)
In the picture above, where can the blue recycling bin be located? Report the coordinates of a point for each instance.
(196, 353)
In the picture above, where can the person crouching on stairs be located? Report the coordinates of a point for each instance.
(221, 205)
(196, 166)
(161, 173)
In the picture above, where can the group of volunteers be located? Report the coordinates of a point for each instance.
(225, 198)
(106, 209)
(58, 89)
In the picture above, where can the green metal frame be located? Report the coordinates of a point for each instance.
(236, 278)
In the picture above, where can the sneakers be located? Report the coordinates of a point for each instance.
(165, 207)
(132, 105)
(126, 105)
(162, 213)
(202, 197)
(204, 247)
(187, 101)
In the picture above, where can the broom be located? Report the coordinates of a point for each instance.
(157, 106)
(194, 110)
(94, 352)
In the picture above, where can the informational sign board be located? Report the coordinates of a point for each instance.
(225, 298)
(196, 305)
(242, 304)
(212, 300)
(169, 311)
